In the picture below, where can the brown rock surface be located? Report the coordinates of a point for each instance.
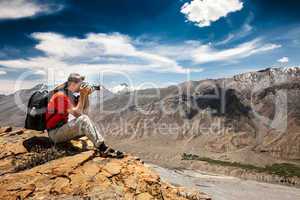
(31, 168)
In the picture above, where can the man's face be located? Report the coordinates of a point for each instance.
(74, 86)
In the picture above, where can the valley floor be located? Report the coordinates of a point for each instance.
(226, 187)
(168, 154)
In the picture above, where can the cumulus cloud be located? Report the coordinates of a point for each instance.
(14, 9)
(283, 60)
(93, 53)
(2, 72)
(204, 12)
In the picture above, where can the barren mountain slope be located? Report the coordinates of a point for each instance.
(228, 118)
(255, 113)
(13, 106)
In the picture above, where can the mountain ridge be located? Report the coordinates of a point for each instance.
(248, 121)
(251, 122)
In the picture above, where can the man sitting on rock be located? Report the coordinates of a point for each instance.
(63, 103)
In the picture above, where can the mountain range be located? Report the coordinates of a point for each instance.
(249, 118)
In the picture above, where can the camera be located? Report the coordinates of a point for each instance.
(96, 87)
(93, 87)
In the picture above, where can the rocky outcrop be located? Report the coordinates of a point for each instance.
(31, 168)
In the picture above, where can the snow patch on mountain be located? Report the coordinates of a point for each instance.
(121, 89)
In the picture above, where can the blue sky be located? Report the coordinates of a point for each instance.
(142, 41)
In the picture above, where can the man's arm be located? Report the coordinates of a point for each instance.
(86, 105)
(77, 110)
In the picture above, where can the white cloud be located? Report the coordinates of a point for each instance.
(2, 72)
(122, 88)
(243, 32)
(206, 53)
(114, 53)
(92, 45)
(204, 12)
(283, 60)
(93, 53)
(199, 53)
(14, 9)
(40, 72)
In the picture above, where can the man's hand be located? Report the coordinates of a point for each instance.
(85, 90)
(82, 103)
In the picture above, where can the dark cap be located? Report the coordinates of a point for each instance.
(75, 77)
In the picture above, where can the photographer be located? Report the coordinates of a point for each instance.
(63, 103)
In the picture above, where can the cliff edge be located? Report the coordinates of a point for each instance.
(31, 168)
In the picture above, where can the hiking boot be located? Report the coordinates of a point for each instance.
(111, 153)
(119, 154)
(106, 151)
(102, 148)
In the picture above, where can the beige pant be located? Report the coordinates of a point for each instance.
(78, 127)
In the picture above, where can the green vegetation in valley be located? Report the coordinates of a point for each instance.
(280, 169)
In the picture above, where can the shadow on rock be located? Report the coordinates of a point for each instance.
(41, 150)
(37, 143)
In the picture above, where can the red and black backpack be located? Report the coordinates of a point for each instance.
(37, 107)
